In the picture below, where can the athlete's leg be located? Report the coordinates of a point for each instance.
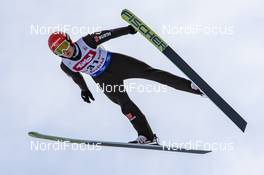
(129, 67)
(116, 93)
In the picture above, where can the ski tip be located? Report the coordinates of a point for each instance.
(124, 10)
(125, 13)
(32, 134)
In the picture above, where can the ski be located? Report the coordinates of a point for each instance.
(161, 45)
(117, 144)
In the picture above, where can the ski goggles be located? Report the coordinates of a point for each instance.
(65, 45)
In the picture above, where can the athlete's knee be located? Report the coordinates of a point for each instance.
(127, 107)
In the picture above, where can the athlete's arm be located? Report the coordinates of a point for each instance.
(79, 80)
(97, 38)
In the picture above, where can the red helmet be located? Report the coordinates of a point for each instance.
(56, 39)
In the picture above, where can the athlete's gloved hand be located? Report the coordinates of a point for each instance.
(86, 96)
(132, 30)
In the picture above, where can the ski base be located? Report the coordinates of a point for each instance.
(163, 47)
(117, 144)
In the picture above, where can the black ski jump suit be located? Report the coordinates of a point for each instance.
(123, 67)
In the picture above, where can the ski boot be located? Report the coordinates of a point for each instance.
(144, 140)
(196, 88)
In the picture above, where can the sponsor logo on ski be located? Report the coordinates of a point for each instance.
(144, 29)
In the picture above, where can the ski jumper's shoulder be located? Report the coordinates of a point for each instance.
(67, 70)
(88, 39)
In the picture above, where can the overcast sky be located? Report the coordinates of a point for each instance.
(37, 96)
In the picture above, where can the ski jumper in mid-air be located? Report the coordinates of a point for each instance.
(111, 69)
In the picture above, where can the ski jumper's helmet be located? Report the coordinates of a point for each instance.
(58, 42)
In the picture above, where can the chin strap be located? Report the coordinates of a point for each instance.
(76, 51)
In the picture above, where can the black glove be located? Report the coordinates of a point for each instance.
(132, 30)
(86, 96)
